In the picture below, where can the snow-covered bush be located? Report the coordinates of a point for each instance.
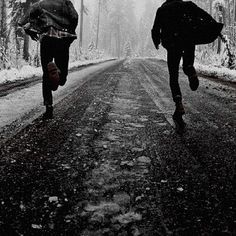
(12, 58)
(127, 50)
(228, 57)
(207, 55)
(81, 54)
(217, 3)
(13, 74)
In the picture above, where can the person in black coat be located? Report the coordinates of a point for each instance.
(177, 38)
(55, 22)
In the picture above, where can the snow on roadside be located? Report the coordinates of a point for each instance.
(217, 72)
(28, 71)
(15, 74)
(24, 105)
(84, 63)
(220, 72)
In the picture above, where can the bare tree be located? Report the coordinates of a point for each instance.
(3, 32)
(81, 24)
(102, 4)
(25, 8)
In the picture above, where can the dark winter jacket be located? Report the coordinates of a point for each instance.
(176, 24)
(59, 14)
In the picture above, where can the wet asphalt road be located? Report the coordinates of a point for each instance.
(111, 162)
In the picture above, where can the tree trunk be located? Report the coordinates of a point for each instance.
(221, 20)
(234, 16)
(110, 43)
(98, 23)
(81, 25)
(210, 6)
(228, 13)
(26, 54)
(17, 45)
(3, 32)
(118, 41)
(234, 19)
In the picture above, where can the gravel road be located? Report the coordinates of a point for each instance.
(111, 162)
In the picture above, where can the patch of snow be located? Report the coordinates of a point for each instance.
(219, 72)
(53, 199)
(106, 208)
(128, 218)
(211, 70)
(36, 226)
(144, 159)
(180, 189)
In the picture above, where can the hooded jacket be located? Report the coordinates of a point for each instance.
(59, 14)
(177, 23)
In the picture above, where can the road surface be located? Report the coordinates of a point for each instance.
(111, 162)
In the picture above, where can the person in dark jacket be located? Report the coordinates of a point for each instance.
(169, 30)
(54, 22)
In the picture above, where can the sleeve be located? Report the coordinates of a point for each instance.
(35, 11)
(24, 19)
(156, 30)
(72, 14)
(31, 14)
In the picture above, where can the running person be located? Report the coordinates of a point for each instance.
(54, 22)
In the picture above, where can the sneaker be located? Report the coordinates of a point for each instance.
(48, 113)
(53, 75)
(193, 81)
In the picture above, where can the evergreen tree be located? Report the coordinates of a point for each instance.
(128, 50)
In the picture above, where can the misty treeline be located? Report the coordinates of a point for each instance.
(116, 28)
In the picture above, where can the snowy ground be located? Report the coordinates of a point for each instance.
(111, 163)
(27, 102)
(217, 72)
(17, 105)
(28, 71)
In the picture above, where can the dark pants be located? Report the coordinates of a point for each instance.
(174, 55)
(57, 49)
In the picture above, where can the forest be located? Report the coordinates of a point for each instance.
(111, 28)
